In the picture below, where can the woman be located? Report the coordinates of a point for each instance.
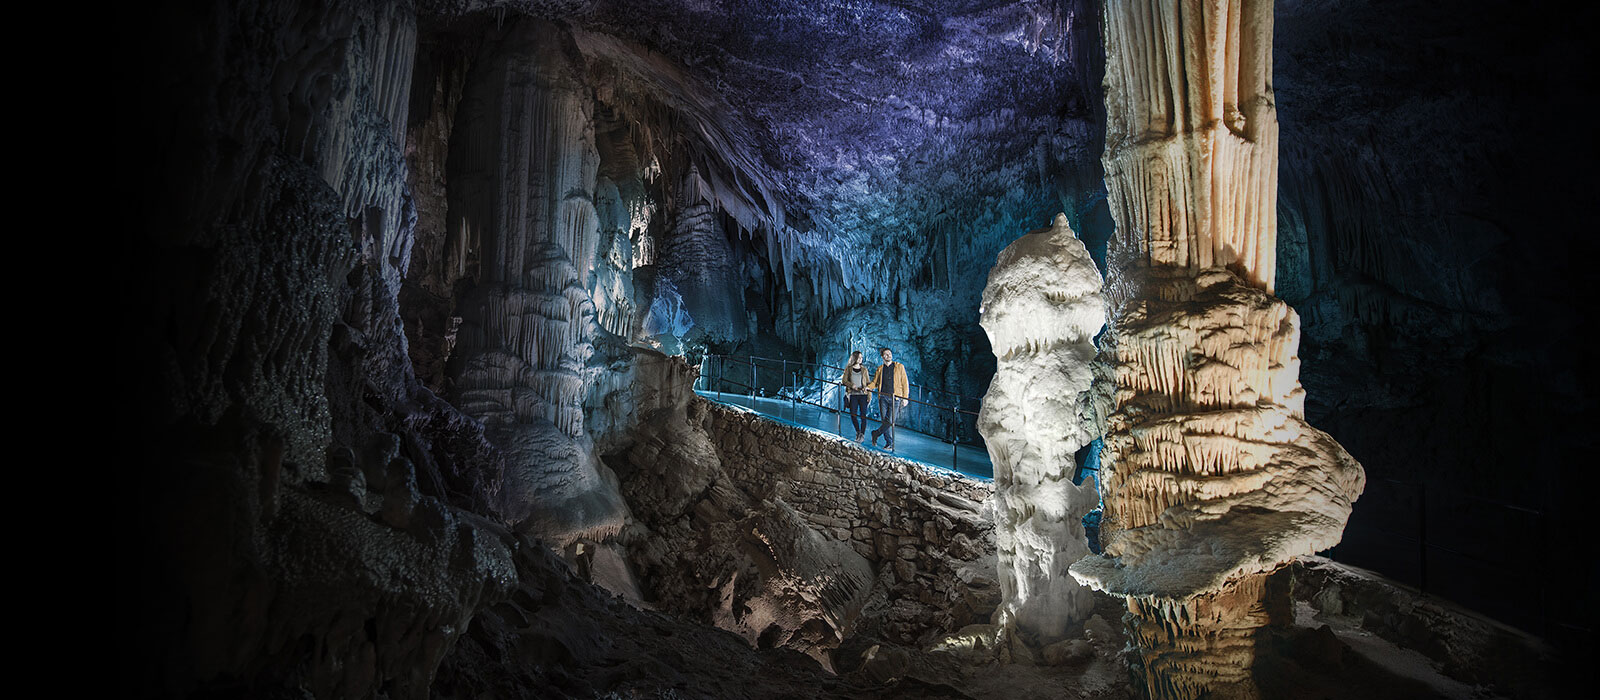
(855, 393)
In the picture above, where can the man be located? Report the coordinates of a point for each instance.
(893, 388)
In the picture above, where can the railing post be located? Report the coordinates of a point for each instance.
(752, 360)
(955, 455)
(921, 397)
(719, 377)
(844, 405)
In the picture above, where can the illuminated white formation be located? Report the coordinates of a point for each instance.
(1041, 309)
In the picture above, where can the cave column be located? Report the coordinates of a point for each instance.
(523, 171)
(697, 262)
(1191, 157)
(1212, 480)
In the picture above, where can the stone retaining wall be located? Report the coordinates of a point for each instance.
(929, 535)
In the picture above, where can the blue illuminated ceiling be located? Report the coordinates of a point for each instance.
(895, 125)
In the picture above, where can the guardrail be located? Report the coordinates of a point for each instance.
(793, 376)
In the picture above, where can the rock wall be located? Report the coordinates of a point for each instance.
(930, 530)
(309, 516)
(305, 516)
(793, 538)
(1439, 285)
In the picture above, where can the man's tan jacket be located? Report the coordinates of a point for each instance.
(902, 384)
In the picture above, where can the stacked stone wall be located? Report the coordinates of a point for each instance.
(927, 533)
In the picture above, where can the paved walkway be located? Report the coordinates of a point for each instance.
(909, 444)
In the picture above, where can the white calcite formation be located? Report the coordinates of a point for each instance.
(1213, 481)
(1041, 309)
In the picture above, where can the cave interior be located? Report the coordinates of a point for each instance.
(423, 290)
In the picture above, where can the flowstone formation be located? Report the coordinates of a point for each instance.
(523, 217)
(1213, 479)
(1191, 157)
(1042, 309)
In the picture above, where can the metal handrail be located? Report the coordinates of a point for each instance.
(754, 361)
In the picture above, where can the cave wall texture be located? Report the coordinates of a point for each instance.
(398, 268)
(1441, 285)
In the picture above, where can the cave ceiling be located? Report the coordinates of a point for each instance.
(876, 125)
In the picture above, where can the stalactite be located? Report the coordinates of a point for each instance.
(697, 259)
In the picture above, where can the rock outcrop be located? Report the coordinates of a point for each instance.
(792, 538)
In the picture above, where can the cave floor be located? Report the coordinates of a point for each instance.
(909, 444)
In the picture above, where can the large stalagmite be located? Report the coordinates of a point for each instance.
(1041, 309)
(1213, 479)
(524, 227)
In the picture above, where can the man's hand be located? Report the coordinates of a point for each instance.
(903, 402)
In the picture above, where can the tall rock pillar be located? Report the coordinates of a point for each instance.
(522, 219)
(1041, 310)
(1212, 480)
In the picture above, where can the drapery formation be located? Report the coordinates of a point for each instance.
(1191, 156)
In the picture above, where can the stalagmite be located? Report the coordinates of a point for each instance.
(1041, 309)
(697, 260)
(1213, 479)
(524, 215)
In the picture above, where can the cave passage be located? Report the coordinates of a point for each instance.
(909, 444)
(937, 426)
(428, 299)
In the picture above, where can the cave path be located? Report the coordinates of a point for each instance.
(909, 444)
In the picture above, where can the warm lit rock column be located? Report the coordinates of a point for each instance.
(1041, 310)
(523, 169)
(1212, 479)
(1191, 157)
